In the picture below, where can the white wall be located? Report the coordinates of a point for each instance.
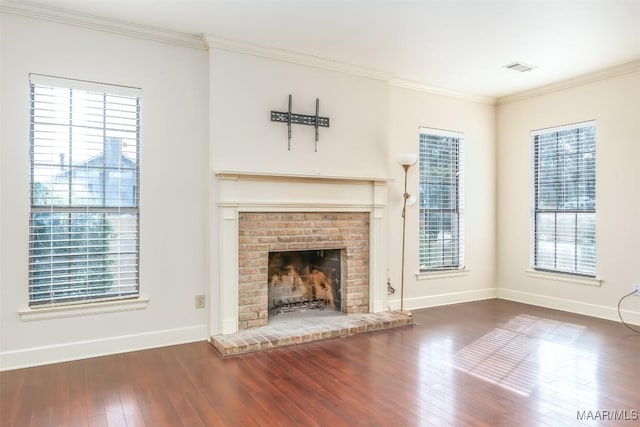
(173, 195)
(244, 90)
(614, 104)
(409, 110)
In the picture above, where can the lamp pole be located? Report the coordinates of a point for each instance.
(406, 160)
(405, 196)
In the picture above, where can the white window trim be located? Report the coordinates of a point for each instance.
(564, 277)
(83, 309)
(561, 128)
(111, 89)
(442, 274)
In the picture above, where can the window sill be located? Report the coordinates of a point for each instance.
(84, 309)
(560, 277)
(443, 274)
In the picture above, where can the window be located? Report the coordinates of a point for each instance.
(84, 157)
(441, 208)
(564, 217)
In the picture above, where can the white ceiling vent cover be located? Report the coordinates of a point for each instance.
(520, 66)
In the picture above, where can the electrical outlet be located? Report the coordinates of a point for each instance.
(636, 287)
(200, 301)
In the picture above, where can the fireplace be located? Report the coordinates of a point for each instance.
(303, 281)
(275, 230)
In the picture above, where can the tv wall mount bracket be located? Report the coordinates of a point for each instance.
(301, 119)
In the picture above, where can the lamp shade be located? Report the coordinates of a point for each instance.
(407, 159)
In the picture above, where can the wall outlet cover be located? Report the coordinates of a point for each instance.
(200, 301)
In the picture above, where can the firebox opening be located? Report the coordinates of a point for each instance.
(304, 280)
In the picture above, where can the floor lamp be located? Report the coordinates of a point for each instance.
(406, 160)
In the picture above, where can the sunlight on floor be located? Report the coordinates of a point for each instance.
(529, 353)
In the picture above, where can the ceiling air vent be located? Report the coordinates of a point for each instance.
(519, 66)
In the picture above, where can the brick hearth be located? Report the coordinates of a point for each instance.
(292, 331)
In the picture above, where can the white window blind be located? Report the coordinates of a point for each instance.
(84, 164)
(441, 245)
(564, 217)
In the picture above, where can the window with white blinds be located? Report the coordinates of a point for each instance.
(441, 208)
(84, 164)
(564, 217)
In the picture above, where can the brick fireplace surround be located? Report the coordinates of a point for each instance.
(262, 232)
(260, 212)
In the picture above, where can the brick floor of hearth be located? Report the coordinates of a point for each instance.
(298, 328)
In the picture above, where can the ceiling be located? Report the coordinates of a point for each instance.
(454, 45)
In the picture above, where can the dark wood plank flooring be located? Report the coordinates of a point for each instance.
(485, 363)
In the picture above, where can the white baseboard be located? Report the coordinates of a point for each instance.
(444, 299)
(36, 356)
(571, 306)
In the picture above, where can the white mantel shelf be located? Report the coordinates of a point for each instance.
(233, 175)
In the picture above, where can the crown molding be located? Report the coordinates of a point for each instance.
(619, 70)
(54, 14)
(209, 41)
(215, 42)
(422, 87)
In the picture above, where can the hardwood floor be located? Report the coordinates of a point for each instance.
(486, 363)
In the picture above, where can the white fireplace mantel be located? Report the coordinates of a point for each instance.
(237, 191)
(294, 176)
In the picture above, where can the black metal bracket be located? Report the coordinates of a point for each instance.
(300, 119)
